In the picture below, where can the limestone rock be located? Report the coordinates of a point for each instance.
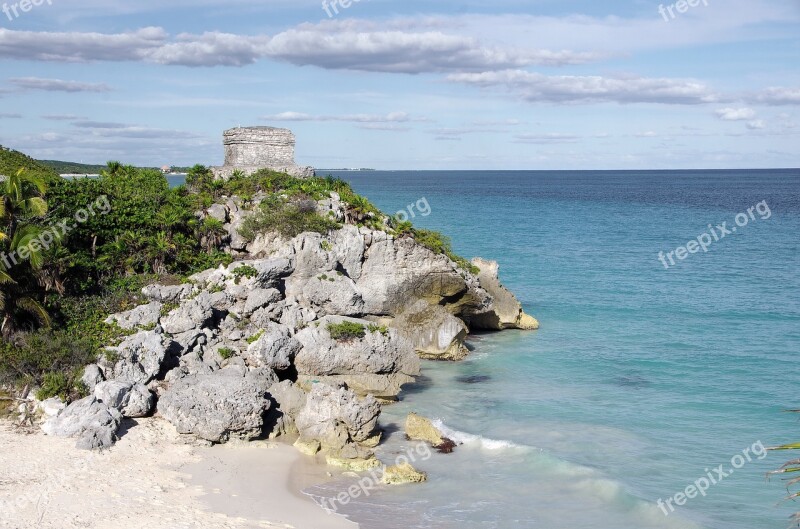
(402, 474)
(142, 316)
(505, 311)
(140, 357)
(258, 298)
(52, 406)
(377, 353)
(218, 406)
(92, 422)
(92, 375)
(419, 428)
(192, 314)
(289, 401)
(275, 348)
(132, 400)
(434, 332)
(338, 420)
(167, 294)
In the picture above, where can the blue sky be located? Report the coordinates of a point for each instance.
(504, 84)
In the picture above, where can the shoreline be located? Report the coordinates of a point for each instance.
(152, 479)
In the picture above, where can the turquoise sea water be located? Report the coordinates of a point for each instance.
(640, 378)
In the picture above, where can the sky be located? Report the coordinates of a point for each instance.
(388, 84)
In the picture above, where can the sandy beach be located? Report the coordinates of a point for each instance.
(151, 479)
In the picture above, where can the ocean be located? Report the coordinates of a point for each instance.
(643, 378)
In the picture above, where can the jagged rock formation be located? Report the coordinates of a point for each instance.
(249, 149)
(248, 350)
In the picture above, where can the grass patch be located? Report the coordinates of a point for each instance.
(244, 271)
(226, 353)
(346, 330)
(288, 217)
(255, 337)
(384, 330)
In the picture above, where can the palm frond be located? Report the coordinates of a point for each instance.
(35, 309)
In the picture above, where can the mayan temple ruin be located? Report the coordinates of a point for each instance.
(248, 149)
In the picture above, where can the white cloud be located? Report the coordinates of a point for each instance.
(546, 139)
(779, 96)
(735, 114)
(535, 87)
(57, 85)
(757, 124)
(392, 117)
(354, 45)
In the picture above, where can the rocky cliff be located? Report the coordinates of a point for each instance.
(304, 336)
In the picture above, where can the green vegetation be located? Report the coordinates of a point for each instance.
(255, 337)
(346, 330)
(21, 206)
(226, 353)
(72, 167)
(133, 230)
(12, 161)
(440, 244)
(289, 217)
(245, 271)
(378, 328)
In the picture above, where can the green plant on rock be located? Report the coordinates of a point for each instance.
(378, 328)
(244, 271)
(226, 353)
(255, 337)
(288, 218)
(345, 331)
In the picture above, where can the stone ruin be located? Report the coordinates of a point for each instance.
(249, 149)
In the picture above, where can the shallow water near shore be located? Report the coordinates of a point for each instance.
(641, 380)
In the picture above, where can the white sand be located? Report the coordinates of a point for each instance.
(145, 481)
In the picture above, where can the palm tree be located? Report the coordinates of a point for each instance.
(21, 201)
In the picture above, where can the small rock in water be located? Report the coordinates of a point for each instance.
(474, 379)
(632, 381)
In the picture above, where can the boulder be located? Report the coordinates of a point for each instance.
(258, 298)
(434, 332)
(139, 357)
(192, 314)
(336, 419)
(419, 428)
(51, 407)
(92, 375)
(332, 293)
(132, 400)
(402, 474)
(505, 311)
(275, 348)
(92, 422)
(380, 352)
(142, 316)
(219, 406)
(289, 399)
(398, 272)
(167, 294)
